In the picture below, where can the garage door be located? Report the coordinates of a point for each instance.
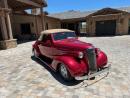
(105, 28)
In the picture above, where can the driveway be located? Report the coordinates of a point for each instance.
(22, 76)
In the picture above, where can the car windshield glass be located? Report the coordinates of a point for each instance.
(64, 35)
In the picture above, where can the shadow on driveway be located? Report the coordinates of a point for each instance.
(56, 75)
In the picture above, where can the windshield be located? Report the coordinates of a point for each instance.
(64, 35)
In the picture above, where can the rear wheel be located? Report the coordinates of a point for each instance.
(65, 74)
(35, 54)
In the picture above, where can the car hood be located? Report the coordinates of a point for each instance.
(73, 44)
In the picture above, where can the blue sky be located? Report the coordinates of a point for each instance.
(55, 6)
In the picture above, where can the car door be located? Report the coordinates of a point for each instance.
(45, 45)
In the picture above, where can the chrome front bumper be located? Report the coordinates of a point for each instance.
(87, 77)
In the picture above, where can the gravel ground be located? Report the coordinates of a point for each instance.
(22, 76)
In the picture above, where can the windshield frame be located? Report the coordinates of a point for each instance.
(67, 37)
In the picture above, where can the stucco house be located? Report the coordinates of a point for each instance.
(15, 21)
(104, 22)
(16, 24)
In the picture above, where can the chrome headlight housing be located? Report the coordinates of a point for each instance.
(80, 55)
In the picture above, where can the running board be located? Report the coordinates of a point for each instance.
(46, 64)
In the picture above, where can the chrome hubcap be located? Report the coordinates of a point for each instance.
(64, 71)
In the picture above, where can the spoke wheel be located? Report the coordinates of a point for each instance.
(64, 73)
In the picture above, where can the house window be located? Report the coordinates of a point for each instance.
(25, 28)
(83, 26)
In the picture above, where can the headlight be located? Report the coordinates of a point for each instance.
(80, 55)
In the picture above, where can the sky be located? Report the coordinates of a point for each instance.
(56, 6)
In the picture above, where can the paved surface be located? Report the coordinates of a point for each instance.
(23, 77)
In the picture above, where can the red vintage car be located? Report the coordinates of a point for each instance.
(72, 58)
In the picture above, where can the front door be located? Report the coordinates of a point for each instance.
(106, 28)
(45, 45)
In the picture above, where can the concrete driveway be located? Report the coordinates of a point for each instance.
(24, 77)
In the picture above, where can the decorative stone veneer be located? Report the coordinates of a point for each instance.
(121, 23)
(6, 44)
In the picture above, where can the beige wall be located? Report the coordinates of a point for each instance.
(39, 25)
(125, 25)
(52, 23)
(121, 23)
(17, 20)
(35, 23)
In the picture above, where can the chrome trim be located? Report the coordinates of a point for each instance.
(87, 77)
(91, 58)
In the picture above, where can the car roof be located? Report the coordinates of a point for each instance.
(51, 31)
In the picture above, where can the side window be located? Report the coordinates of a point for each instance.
(49, 37)
(46, 37)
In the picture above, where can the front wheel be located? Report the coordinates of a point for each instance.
(65, 74)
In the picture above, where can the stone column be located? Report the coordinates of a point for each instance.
(118, 26)
(7, 38)
(42, 18)
(36, 26)
(9, 26)
(2, 20)
(91, 26)
(87, 26)
(3, 28)
(8, 20)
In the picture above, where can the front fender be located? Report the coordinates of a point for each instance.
(102, 59)
(75, 67)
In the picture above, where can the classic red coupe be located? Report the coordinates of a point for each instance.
(72, 58)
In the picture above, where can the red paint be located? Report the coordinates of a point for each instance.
(66, 51)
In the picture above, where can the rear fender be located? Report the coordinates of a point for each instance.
(35, 46)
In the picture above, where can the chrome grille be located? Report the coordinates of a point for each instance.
(91, 58)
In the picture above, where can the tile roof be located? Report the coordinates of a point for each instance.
(72, 14)
(127, 9)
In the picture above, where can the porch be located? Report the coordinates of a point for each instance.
(7, 8)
